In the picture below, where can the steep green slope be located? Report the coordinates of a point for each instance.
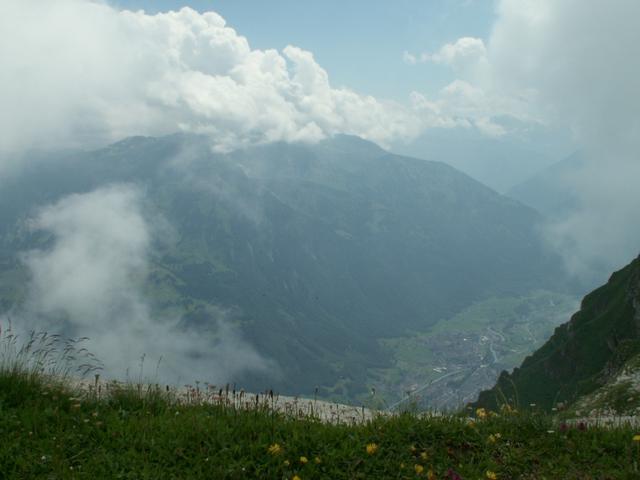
(320, 250)
(582, 353)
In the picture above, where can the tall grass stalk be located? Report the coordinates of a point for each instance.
(29, 360)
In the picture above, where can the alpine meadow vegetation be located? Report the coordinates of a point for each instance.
(51, 428)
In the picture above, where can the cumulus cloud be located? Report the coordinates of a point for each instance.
(467, 55)
(80, 73)
(471, 99)
(466, 105)
(77, 72)
(90, 283)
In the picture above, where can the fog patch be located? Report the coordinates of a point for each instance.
(89, 282)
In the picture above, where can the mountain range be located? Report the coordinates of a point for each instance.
(320, 251)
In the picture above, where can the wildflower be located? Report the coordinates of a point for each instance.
(424, 455)
(286, 463)
(304, 460)
(296, 477)
(274, 449)
(481, 413)
(372, 448)
(418, 468)
(318, 460)
(491, 475)
(431, 475)
(492, 438)
(401, 466)
(636, 438)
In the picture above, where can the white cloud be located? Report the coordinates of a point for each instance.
(579, 60)
(90, 283)
(467, 56)
(569, 64)
(471, 99)
(77, 72)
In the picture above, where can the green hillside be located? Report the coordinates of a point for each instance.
(583, 353)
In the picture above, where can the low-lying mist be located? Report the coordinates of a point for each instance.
(88, 280)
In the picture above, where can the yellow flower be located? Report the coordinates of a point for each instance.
(636, 438)
(274, 449)
(401, 466)
(296, 477)
(431, 475)
(491, 475)
(372, 448)
(303, 460)
(424, 455)
(317, 460)
(481, 413)
(491, 439)
(418, 468)
(286, 463)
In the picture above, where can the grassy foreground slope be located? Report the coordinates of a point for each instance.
(583, 353)
(47, 431)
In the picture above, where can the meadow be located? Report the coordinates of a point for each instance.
(50, 428)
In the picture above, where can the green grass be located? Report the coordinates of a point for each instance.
(49, 430)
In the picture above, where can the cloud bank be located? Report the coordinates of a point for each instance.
(90, 283)
(79, 73)
(573, 65)
(580, 60)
